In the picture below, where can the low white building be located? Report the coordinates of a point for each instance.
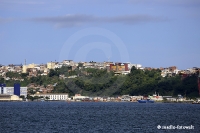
(54, 96)
(171, 99)
(73, 76)
(125, 72)
(137, 66)
(126, 98)
(78, 97)
(135, 98)
(10, 91)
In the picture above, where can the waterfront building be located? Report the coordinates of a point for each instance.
(10, 91)
(53, 96)
(10, 98)
(78, 97)
(126, 98)
(2, 88)
(135, 98)
(16, 90)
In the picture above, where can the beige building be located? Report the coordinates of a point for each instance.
(51, 65)
(25, 67)
(10, 98)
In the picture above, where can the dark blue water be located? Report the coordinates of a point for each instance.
(83, 117)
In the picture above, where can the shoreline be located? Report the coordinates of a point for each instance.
(183, 102)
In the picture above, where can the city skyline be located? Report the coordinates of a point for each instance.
(58, 64)
(152, 33)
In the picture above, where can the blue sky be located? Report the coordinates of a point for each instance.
(154, 33)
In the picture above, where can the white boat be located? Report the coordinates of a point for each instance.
(156, 97)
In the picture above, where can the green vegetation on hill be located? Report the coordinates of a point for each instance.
(99, 82)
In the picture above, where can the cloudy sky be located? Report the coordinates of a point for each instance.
(154, 33)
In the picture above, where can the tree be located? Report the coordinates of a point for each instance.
(47, 98)
(54, 72)
(31, 91)
(24, 75)
(1, 80)
(30, 97)
(23, 97)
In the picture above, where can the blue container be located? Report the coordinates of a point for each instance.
(2, 87)
(17, 89)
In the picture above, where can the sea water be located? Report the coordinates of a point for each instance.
(98, 117)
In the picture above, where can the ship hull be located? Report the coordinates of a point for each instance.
(145, 101)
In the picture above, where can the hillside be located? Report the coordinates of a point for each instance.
(96, 82)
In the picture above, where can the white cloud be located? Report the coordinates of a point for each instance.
(81, 19)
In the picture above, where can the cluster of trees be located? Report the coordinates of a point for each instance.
(148, 82)
(35, 98)
(99, 82)
(138, 82)
(64, 70)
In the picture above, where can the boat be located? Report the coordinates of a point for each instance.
(145, 101)
(156, 97)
